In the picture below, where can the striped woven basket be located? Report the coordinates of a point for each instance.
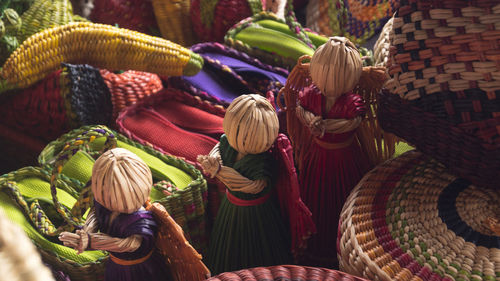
(131, 14)
(357, 20)
(286, 272)
(410, 219)
(19, 260)
(130, 87)
(444, 84)
(211, 19)
(179, 186)
(26, 197)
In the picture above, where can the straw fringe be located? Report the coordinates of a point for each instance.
(19, 260)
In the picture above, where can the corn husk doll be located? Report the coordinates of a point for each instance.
(250, 230)
(119, 223)
(322, 121)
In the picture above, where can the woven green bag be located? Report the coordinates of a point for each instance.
(178, 186)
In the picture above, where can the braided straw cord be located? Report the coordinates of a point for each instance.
(286, 272)
(44, 14)
(381, 48)
(173, 20)
(19, 260)
(100, 45)
(453, 47)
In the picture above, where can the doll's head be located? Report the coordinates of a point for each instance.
(121, 181)
(336, 67)
(251, 124)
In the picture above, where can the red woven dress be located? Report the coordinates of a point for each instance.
(331, 168)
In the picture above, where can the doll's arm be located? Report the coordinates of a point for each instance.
(211, 164)
(91, 222)
(320, 126)
(82, 241)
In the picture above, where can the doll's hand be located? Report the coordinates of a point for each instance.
(83, 241)
(69, 239)
(210, 165)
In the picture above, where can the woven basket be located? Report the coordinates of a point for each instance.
(173, 18)
(19, 259)
(18, 197)
(286, 272)
(211, 19)
(381, 48)
(130, 14)
(44, 14)
(409, 219)
(357, 20)
(443, 66)
(186, 204)
(130, 87)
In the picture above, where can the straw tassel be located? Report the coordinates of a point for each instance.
(102, 46)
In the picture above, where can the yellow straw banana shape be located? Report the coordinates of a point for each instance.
(99, 45)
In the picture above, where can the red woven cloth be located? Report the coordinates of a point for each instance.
(130, 87)
(226, 14)
(37, 111)
(131, 14)
(329, 174)
(173, 123)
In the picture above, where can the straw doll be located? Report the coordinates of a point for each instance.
(249, 229)
(118, 223)
(329, 156)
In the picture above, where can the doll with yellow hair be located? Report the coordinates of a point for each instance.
(323, 116)
(250, 230)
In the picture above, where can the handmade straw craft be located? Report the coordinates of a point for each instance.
(410, 219)
(19, 258)
(444, 86)
(286, 272)
(381, 48)
(101, 46)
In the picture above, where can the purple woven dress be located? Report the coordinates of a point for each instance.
(124, 225)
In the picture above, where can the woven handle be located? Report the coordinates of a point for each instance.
(73, 217)
(295, 26)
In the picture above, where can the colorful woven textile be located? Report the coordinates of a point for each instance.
(444, 65)
(174, 122)
(409, 219)
(211, 19)
(174, 20)
(130, 87)
(286, 272)
(357, 20)
(131, 14)
(228, 73)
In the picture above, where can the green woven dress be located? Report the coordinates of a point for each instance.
(248, 236)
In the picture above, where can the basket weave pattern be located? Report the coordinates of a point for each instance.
(409, 219)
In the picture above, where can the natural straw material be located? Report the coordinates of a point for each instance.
(251, 124)
(443, 68)
(381, 48)
(173, 18)
(409, 219)
(100, 45)
(286, 272)
(121, 181)
(19, 260)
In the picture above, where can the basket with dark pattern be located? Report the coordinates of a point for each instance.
(444, 65)
(410, 219)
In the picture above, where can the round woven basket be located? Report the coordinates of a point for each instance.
(444, 65)
(409, 219)
(286, 272)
